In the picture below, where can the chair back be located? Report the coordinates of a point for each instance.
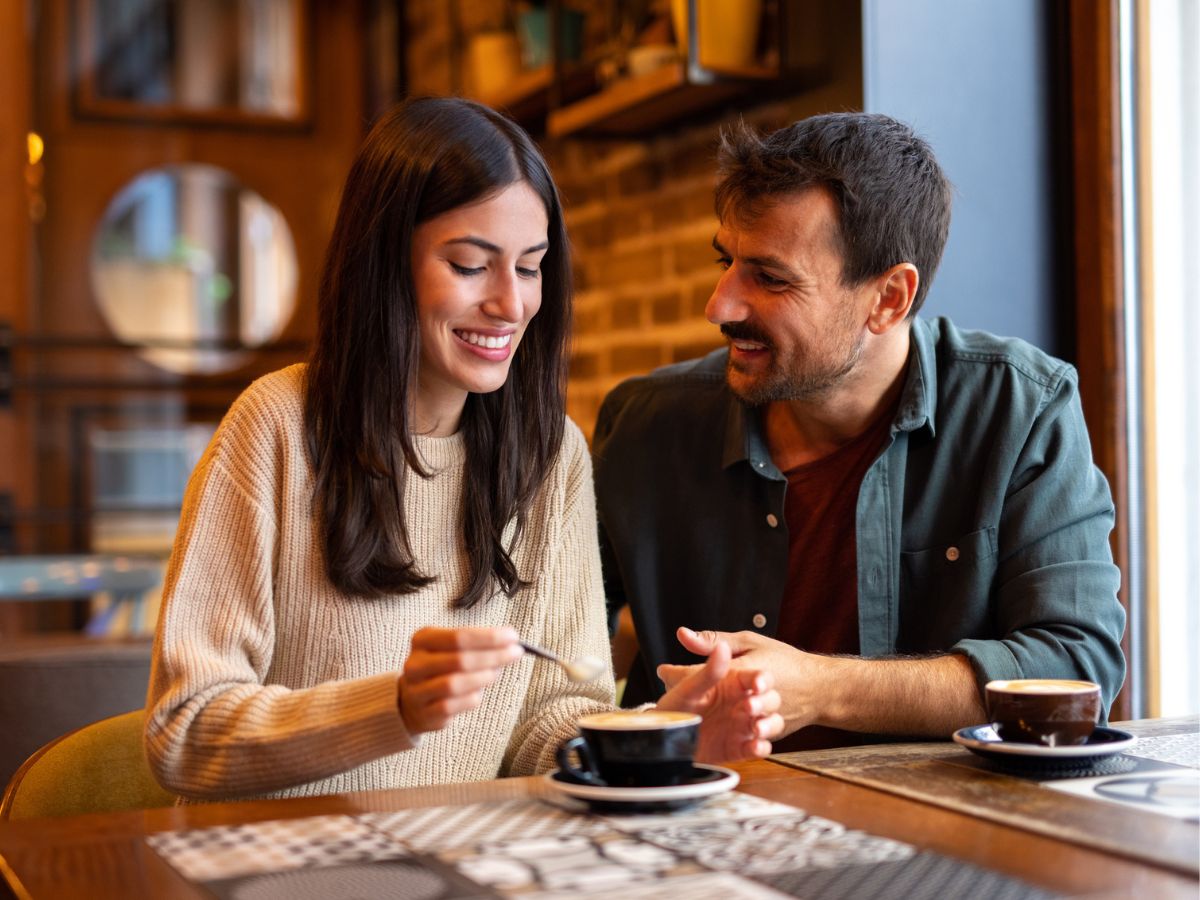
(53, 684)
(100, 767)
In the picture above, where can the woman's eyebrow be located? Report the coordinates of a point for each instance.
(492, 248)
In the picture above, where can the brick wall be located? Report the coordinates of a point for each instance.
(640, 217)
(639, 213)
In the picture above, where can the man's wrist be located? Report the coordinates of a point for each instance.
(834, 690)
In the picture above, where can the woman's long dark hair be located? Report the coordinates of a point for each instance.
(423, 158)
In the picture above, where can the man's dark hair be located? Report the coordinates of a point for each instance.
(423, 158)
(893, 199)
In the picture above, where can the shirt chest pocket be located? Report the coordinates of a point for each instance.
(945, 591)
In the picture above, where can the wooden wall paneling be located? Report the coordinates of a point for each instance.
(16, 443)
(15, 476)
(1099, 267)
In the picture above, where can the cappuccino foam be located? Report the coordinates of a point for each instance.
(638, 720)
(1042, 686)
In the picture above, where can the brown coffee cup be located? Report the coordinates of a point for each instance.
(1048, 711)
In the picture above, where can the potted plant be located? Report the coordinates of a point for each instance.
(533, 30)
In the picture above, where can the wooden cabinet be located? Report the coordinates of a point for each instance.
(94, 430)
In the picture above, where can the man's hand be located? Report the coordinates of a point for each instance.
(929, 697)
(447, 670)
(738, 707)
(754, 652)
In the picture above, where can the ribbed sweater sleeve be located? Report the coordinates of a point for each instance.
(218, 726)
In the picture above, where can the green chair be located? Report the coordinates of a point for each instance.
(100, 767)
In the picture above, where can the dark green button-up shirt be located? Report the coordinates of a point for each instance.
(982, 527)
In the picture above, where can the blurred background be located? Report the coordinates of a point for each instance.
(170, 169)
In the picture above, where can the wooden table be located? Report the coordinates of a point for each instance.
(943, 775)
(102, 856)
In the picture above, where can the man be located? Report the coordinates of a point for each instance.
(885, 512)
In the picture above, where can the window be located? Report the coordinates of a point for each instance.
(1169, 142)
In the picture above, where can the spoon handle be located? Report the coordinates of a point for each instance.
(540, 651)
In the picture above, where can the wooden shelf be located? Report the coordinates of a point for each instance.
(527, 97)
(644, 103)
(567, 99)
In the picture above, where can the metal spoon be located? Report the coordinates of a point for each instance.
(583, 669)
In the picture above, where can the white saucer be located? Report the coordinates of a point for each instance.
(982, 739)
(716, 780)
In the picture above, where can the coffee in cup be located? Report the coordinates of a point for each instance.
(632, 748)
(1048, 711)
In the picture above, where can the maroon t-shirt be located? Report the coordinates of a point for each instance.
(820, 601)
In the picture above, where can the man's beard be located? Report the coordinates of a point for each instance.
(799, 377)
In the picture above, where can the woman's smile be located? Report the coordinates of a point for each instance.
(488, 345)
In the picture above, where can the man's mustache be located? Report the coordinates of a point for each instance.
(743, 331)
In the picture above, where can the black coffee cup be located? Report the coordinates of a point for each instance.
(631, 748)
(1053, 712)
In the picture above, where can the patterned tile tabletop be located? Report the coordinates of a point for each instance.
(732, 846)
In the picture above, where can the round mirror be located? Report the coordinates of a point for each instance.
(194, 267)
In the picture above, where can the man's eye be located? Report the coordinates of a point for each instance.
(724, 262)
(770, 280)
(466, 270)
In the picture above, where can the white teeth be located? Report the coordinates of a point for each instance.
(483, 340)
(743, 345)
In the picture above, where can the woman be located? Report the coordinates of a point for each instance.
(367, 537)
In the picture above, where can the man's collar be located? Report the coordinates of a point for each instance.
(918, 398)
(738, 428)
(746, 440)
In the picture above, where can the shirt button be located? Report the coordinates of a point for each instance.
(761, 465)
(952, 553)
(771, 520)
(759, 620)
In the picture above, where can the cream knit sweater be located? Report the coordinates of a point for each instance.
(267, 680)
